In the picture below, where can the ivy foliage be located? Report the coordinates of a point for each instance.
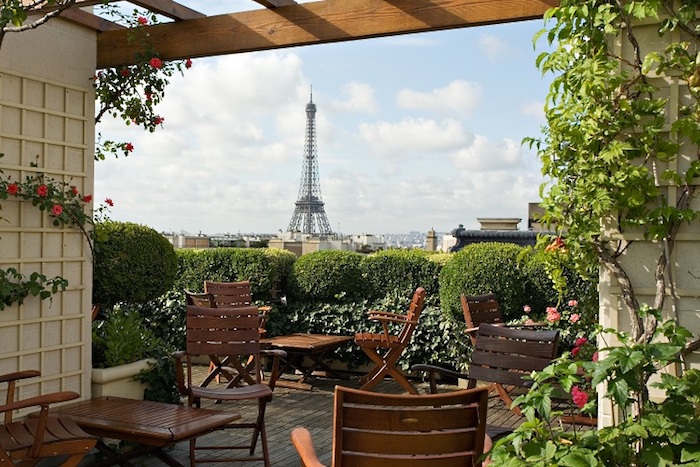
(15, 286)
(611, 159)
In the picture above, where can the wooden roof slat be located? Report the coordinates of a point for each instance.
(79, 16)
(312, 23)
(169, 8)
(275, 3)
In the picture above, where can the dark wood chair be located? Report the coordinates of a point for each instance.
(502, 356)
(233, 332)
(485, 308)
(28, 441)
(390, 430)
(384, 349)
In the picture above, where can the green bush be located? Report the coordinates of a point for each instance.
(397, 273)
(121, 338)
(329, 275)
(481, 268)
(133, 264)
(267, 269)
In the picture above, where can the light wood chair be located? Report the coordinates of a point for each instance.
(232, 332)
(485, 308)
(28, 441)
(384, 349)
(389, 430)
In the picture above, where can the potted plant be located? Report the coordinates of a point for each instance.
(121, 350)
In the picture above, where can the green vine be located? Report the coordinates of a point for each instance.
(15, 287)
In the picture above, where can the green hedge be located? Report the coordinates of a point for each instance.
(329, 275)
(267, 269)
(133, 264)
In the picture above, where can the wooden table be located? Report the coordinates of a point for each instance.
(152, 425)
(298, 346)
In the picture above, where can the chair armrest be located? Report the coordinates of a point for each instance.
(19, 375)
(40, 401)
(387, 316)
(178, 355)
(304, 444)
(432, 369)
(277, 355)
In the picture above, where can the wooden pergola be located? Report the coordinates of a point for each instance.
(273, 24)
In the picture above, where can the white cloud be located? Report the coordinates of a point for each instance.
(493, 47)
(534, 109)
(358, 97)
(484, 155)
(459, 97)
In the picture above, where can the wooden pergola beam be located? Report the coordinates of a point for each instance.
(312, 23)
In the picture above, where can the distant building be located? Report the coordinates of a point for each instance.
(504, 230)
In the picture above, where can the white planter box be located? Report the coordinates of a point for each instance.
(119, 381)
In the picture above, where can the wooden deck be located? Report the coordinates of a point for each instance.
(312, 409)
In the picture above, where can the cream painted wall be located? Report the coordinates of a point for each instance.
(47, 119)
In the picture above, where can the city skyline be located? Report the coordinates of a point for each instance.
(414, 132)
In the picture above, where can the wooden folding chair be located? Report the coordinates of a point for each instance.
(233, 332)
(502, 356)
(390, 430)
(391, 345)
(29, 441)
(485, 308)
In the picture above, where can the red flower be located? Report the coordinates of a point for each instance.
(42, 190)
(580, 397)
(156, 62)
(129, 147)
(56, 210)
(74, 190)
(553, 315)
(142, 20)
(124, 72)
(188, 63)
(575, 351)
(109, 201)
(580, 341)
(12, 189)
(158, 120)
(148, 96)
(594, 357)
(87, 198)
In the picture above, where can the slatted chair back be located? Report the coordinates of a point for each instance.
(200, 299)
(479, 309)
(230, 294)
(387, 430)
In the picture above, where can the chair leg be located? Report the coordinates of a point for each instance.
(193, 461)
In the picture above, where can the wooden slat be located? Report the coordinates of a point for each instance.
(96, 23)
(275, 3)
(312, 23)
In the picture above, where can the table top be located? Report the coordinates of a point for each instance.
(145, 422)
(306, 342)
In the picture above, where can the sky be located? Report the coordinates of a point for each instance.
(414, 132)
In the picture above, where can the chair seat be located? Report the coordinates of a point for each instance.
(17, 438)
(252, 391)
(368, 339)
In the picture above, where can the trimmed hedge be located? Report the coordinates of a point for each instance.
(329, 275)
(267, 269)
(133, 264)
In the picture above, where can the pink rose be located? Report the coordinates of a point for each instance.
(527, 309)
(580, 341)
(575, 351)
(109, 201)
(56, 210)
(580, 397)
(574, 318)
(594, 357)
(12, 189)
(74, 190)
(129, 147)
(529, 321)
(142, 21)
(156, 63)
(553, 315)
(87, 198)
(158, 120)
(188, 63)
(42, 190)
(573, 303)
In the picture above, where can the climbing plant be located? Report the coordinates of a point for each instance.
(612, 163)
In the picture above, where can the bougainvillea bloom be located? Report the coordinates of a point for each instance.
(57, 209)
(142, 21)
(87, 198)
(109, 202)
(42, 190)
(188, 63)
(129, 147)
(12, 189)
(580, 397)
(156, 62)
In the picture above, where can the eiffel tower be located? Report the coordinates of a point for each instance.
(309, 215)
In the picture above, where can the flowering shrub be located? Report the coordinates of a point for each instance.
(571, 320)
(645, 434)
(132, 92)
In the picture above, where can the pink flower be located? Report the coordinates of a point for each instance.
(527, 309)
(56, 210)
(594, 357)
(129, 147)
(553, 315)
(573, 303)
(156, 63)
(529, 321)
(12, 189)
(109, 202)
(87, 198)
(42, 190)
(580, 397)
(142, 20)
(188, 63)
(580, 341)
(574, 318)
(575, 351)
(158, 120)
(74, 190)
